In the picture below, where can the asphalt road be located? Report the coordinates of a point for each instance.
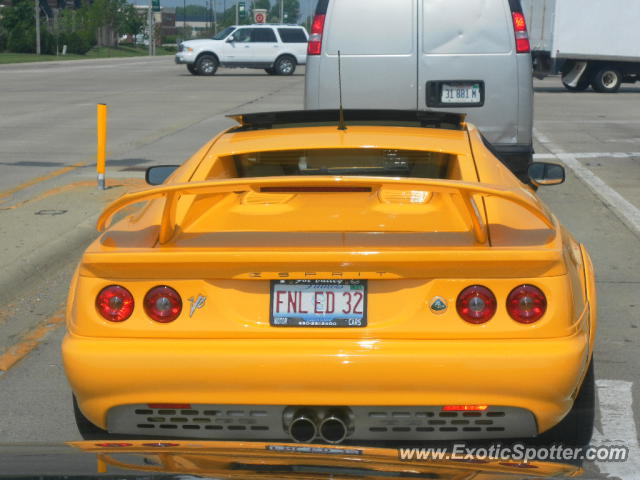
(160, 114)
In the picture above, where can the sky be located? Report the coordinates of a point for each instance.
(307, 7)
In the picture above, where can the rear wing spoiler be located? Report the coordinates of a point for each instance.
(171, 194)
(306, 118)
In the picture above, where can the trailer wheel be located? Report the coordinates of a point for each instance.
(607, 80)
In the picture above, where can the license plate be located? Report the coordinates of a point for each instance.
(461, 93)
(318, 303)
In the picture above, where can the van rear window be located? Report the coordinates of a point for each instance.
(356, 28)
(363, 162)
(464, 27)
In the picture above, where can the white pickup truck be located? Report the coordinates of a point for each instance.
(277, 49)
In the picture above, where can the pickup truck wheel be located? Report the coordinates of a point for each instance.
(207, 65)
(270, 71)
(576, 428)
(607, 80)
(285, 65)
(192, 69)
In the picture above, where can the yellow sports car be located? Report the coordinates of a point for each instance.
(306, 279)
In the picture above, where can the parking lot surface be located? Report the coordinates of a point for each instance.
(159, 114)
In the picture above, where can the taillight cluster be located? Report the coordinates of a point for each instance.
(525, 304)
(162, 304)
(520, 30)
(314, 46)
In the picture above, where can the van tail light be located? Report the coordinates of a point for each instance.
(115, 303)
(315, 38)
(476, 304)
(520, 30)
(163, 304)
(526, 304)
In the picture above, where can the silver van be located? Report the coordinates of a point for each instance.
(469, 56)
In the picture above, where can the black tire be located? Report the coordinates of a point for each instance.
(88, 430)
(576, 428)
(192, 69)
(285, 65)
(607, 80)
(270, 71)
(207, 65)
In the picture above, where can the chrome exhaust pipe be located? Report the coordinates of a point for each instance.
(302, 428)
(335, 427)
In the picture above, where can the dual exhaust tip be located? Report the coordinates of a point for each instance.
(333, 427)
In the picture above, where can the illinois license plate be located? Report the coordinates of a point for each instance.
(318, 303)
(461, 93)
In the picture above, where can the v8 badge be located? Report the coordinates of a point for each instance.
(196, 303)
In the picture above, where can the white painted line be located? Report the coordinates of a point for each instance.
(623, 209)
(589, 155)
(618, 428)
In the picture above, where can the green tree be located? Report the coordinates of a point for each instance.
(132, 23)
(291, 12)
(18, 15)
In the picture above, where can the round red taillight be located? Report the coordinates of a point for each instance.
(526, 304)
(115, 303)
(163, 304)
(476, 304)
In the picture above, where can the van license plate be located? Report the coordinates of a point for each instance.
(461, 93)
(318, 303)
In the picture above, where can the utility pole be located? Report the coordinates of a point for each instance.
(237, 12)
(38, 51)
(184, 18)
(215, 18)
(281, 11)
(150, 29)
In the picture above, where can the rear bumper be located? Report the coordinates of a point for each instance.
(540, 376)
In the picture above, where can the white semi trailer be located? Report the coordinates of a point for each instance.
(589, 42)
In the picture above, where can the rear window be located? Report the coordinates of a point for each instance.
(356, 28)
(363, 162)
(464, 27)
(292, 35)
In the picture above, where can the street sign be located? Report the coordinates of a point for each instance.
(259, 15)
(155, 5)
(242, 9)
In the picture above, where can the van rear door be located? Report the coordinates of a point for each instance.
(467, 63)
(378, 50)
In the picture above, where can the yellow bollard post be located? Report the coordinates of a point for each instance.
(102, 145)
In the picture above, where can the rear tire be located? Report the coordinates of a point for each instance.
(88, 430)
(607, 80)
(576, 428)
(192, 69)
(285, 65)
(207, 65)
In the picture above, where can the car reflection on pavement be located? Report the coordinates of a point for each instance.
(256, 460)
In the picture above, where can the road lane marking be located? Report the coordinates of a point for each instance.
(49, 176)
(30, 341)
(624, 210)
(618, 427)
(589, 155)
